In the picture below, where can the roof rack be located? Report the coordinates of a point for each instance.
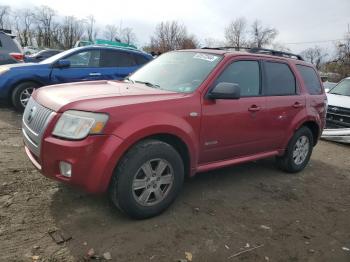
(257, 50)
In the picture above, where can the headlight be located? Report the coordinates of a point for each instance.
(3, 69)
(78, 124)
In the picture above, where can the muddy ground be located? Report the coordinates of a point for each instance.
(303, 217)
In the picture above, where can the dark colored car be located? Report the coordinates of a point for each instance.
(89, 63)
(10, 49)
(41, 55)
(183, 113)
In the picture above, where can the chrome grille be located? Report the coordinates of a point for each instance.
(35, 119)
(338, 117)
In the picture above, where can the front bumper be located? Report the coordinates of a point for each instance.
(341, 135)
(93, 160)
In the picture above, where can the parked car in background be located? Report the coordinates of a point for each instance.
(185, 112)
(30, 50)
(41, 55)
(338, 113)
(10, 50)
(89, 63)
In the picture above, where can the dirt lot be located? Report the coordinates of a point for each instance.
(303, 217)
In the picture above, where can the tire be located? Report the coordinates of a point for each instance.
(154, 191)
(295, 163)
(20, 91)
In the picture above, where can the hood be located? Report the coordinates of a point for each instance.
(338, 100)
(97, 95)
(24, 66)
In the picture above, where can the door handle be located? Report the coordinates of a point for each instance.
(254, 108)
(94, 74)
(297, 105)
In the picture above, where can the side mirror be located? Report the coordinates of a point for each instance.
(225, 90)
(62, 63)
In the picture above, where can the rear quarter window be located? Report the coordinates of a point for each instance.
(279, 79)
(112, 58)
(311, 80)
(140, 59)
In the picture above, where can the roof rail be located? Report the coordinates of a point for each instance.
(257, 50)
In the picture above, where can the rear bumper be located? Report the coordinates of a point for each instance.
(93, 160)
(341, 135)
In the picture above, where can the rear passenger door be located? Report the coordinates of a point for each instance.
(283, 101)
(117, 64)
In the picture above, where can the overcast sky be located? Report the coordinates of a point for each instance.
(296, 20)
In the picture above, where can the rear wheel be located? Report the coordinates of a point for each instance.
(298, 152)
(147, 179)
(22, 93)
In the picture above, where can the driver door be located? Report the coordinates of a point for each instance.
(84, 66)
(234, 128)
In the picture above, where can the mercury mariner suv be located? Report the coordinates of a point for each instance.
(184, 113)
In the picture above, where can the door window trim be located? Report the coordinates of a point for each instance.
(264, 78)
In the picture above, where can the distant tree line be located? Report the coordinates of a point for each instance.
(43, 27)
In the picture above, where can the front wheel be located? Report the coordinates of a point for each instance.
(298, 152)
(22, 93)
(147, 179)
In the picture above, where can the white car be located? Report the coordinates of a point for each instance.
(338, 113)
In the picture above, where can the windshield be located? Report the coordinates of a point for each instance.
(343, 88)
(56, 57)
(177, 71)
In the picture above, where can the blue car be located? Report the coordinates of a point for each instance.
(18, 81)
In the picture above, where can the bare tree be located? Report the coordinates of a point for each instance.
(262, 36)
(314, 55)
(4, 16)
(24, 21)
(44, 19)
(111, 32)
(91, 28)
(236, 33)
(72, 31)
(127, 35)
(171, 35)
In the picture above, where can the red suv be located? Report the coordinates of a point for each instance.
(183, 113)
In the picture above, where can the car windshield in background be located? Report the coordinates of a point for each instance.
(343, 88)
(177, 71)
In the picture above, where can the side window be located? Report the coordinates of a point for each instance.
(279, 79)
(110, 58)
(0, 43)
(244, 73)
(311, 80)
(89, 58)
(140, 59)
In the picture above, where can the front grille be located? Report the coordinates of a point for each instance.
(35, 119)
(338, 117)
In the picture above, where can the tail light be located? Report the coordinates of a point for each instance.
(17, 56)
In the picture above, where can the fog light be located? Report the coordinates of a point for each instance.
(65, 169)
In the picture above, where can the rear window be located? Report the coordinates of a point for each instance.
(279, 79)
(311, 80)
(111, 58)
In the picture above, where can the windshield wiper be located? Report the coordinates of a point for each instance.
(148, 84)
(130, 80)
(337, 94)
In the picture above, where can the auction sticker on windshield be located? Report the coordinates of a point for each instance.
(206, 57)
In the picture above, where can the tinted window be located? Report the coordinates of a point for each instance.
(111, 58)
(279, 79)
(0, 44)
(85, 59)
(244, 73)
(140, 59)
(311, 79)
